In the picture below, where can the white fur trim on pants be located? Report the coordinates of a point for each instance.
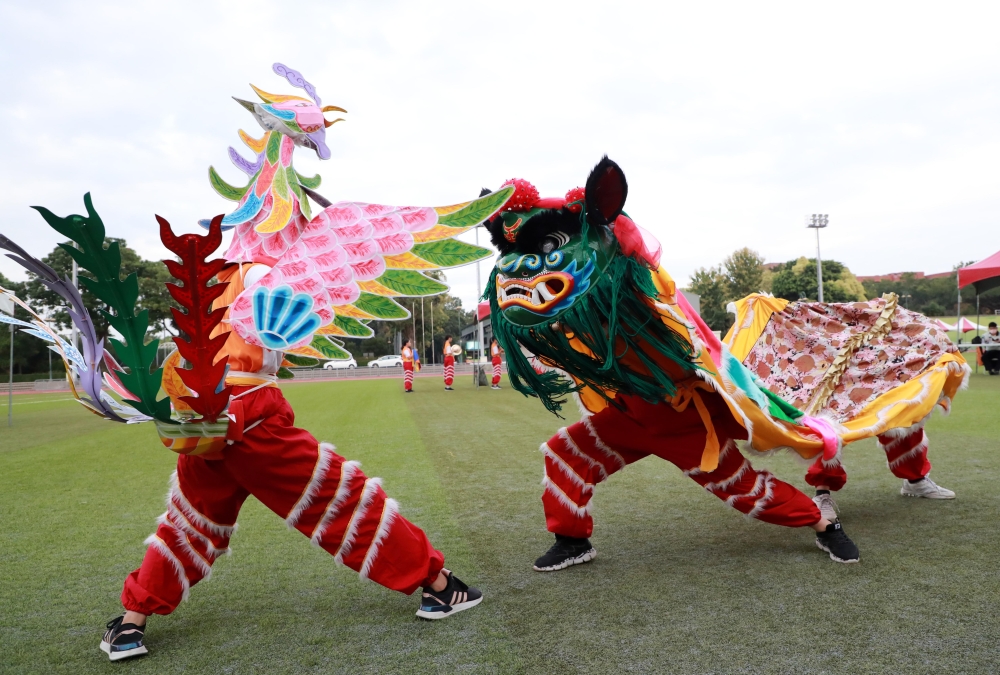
(389, 512)
(175, 518)
(553, 489)
(164, 550)
(728, 482)
(575, 449)
(367, 496)
(192, 514)
(323, 459)
(347, 473)
(601, 445)
(758, 485)
(565, 468)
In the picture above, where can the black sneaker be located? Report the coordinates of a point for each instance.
(566, 552)
(448, 389)
(455, 597)
(837, 544)
(123, 640)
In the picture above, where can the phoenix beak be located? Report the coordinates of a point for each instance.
(246, 104)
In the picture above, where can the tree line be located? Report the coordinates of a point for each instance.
(744, 272)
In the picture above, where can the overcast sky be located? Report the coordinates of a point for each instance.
(731, 120)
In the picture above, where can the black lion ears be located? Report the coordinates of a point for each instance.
(606, 192)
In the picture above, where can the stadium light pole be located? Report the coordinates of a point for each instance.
(818, 221)
(479, 322)
(7, 307)
(10, 382)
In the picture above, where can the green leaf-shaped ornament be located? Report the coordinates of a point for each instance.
(280, 183)
(104, 264)
(450, 252)
(273, 149)
(311, 183)
(353, 327)
(380, 307)
(301, 361)
(329, 349)
(411, 283)
(225, 190)
(478, 210)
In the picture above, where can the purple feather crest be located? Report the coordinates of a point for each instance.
(244, 164)
(295, 79)
(93, 348)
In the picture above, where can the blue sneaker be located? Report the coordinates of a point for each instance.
(123, 640)
(455, 597)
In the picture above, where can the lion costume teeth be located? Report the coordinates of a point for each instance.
(539, 293)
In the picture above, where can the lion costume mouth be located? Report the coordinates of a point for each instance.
(537, 294)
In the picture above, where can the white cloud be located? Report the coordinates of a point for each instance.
(731, 120)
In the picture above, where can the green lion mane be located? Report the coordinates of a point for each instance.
(614, 310)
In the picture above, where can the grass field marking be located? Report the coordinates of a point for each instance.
(54, 400)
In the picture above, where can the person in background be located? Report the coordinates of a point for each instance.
(495, 353)
(449, 364)
(991, 357)
(407, 355)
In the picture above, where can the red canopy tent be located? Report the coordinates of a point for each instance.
(982, 276)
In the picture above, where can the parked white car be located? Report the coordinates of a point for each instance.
(338, 365)
(390, 361)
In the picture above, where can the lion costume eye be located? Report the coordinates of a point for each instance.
(554, 241)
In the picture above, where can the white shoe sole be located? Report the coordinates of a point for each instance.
(569, 562)
(834, 558)
(434, 616)
(931, 496)
(118, 656)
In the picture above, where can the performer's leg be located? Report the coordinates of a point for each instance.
(449, 371)
(329, 500)
(407, 376)
(576, 459)
(906, 453)
(757, 493)
(991, 361)
(496, 373)
(202, 506)
(679, 437)
(826, 477)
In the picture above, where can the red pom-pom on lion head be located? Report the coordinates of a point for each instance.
(524, 198)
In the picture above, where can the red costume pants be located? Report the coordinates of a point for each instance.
(586, 453)
(407, 375)
(318, 493)
(496, 370)
(905, 451)
(449, 370)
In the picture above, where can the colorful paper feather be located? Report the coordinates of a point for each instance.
(137, 355)
(93, 348)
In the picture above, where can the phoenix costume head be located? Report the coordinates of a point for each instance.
(573, 286)
(328, 273)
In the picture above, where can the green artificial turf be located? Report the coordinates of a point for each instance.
(682, 583)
